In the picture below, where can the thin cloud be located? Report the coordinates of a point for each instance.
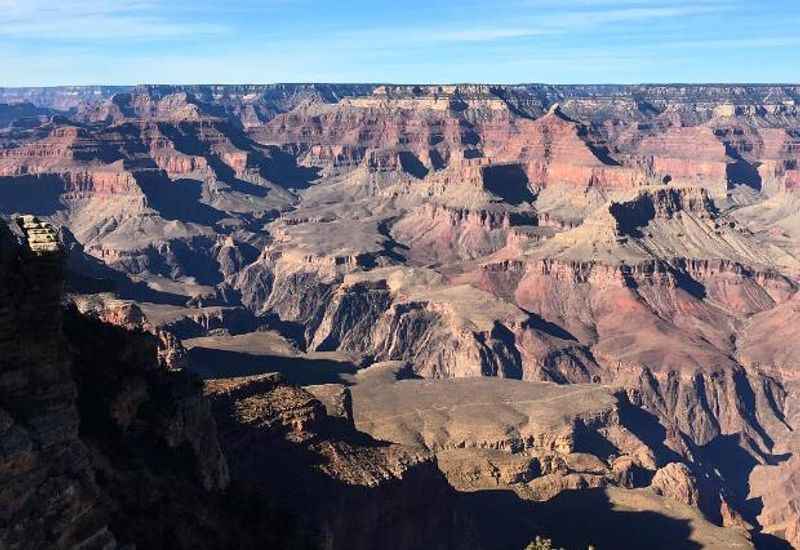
(750, 43)
(128, 41)
(82, 20)
(625, 15)
(553, 22)
(615, 4)
(483, 35)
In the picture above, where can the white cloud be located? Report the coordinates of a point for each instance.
(482, 35)
(96, 20)
(615, 4)
(564, 17)
(580, 18)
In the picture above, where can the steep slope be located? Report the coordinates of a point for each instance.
(640, 237)
(92, 413)
(548, 448)
(80, 435)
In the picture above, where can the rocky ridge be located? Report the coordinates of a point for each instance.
(641, 237)
(94, 409)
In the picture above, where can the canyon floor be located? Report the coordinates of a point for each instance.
(565, 311)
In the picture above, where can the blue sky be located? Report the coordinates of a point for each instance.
(53, 42)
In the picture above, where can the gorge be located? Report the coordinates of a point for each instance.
(358, 316)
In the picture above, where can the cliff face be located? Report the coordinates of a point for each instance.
(644, 237)
(50, 494)
(107, 442)
(281, 440)
(90, 415)
(538, 443)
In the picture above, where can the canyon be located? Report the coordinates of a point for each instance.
(391, 316)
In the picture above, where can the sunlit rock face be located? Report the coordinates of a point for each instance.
(636, 243)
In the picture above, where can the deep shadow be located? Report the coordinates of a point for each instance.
(436, 160)
(412, 165)
(729, 456)
(747, 406)
(590, 441)
(190, 258)
(628, 277)
(417, 511)
(509, 182)
(107, 148)
(741, 172)
(603, 154)
(185, 138)
(281, 168)
(176, 511)
(573, 520)
(233, 321)
(213, 363)
(523, 218)
(543, 325)
(37, 195)
(632, 216)
(689, 284)
(86, 274)
(512, 100)
(12, 114)
(132, 149)
(469, 136)
(600, 151)
(294, 332)
(764, 541)
(648, 429)
(272, 163)
(122, 287)
(723, 467)
(507, 347)
(472, 154)
(458, 105)
(178, 200)
(435, 139)
(392, 248)
(646, 108)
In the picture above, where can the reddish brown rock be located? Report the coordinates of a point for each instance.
(280, 437)
(676, 481)
(643, 236)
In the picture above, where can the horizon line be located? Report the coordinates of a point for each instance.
(398, 84)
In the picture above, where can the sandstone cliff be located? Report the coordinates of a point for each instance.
(640, 237)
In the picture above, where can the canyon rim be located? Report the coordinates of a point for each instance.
(534, 302)
(432, 314)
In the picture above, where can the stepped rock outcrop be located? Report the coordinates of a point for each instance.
(537, 441)
(327, 470)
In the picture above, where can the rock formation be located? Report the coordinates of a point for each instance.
(676, 481)
(280, 439)
(50, 495)
(636, 244)
(95, 409)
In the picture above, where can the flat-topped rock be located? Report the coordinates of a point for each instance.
(481, 412)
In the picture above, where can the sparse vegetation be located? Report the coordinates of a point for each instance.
(540, 543)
